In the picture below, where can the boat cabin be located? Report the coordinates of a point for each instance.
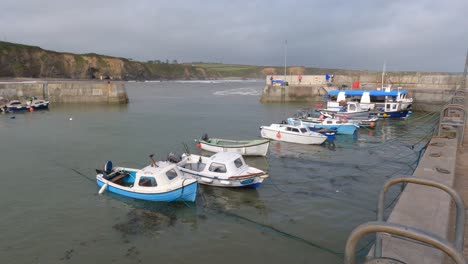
(223, 163)
(165, 174)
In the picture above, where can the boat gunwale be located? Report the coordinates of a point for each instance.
(256, 142)
(302, 135)
(118, 186)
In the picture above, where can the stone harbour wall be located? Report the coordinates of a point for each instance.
(67, 91)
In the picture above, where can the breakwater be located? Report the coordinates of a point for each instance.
(67, 91)
(430, 91)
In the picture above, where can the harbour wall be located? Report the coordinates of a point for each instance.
(67, 91)
(429, 91)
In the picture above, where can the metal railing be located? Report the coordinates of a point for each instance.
(403, 231)
(453, 115)
(380, 226)
(460, 212)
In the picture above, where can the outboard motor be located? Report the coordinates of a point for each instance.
(173, 158)
(204, 137)
(108, 167)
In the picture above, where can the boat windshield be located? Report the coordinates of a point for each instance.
(171, 174)
(303, 130)
(217, 167)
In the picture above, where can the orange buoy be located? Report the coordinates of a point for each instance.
(198, 145)
(371, 124)
(278, 135)
(31, 109)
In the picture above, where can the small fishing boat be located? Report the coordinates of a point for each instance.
(161, 181)
(223, 169)
(350, 109)
(257, 147)
(341, 125)
(31, 103)
(291, 133)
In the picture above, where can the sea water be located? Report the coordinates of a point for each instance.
(303, 213)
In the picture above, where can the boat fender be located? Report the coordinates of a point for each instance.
(278, 135)
(108, 167)
(103, 188)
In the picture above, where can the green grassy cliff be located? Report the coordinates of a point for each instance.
(17, 60)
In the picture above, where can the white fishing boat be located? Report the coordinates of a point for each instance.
(161, 181)
(256, 147)
(223, 169)
(291, 133)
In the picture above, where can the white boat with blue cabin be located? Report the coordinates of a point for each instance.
(348, 110)
(223, 169)
(342, 126)
(161, 181)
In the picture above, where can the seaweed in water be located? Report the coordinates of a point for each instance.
(142, 222)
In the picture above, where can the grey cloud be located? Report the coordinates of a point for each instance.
(409, 35)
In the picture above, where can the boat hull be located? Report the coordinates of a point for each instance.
(185, 193)
(253, 150)
(340, 129)
(253, 182)
(398, 114)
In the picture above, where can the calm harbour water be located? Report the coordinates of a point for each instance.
(303, 213)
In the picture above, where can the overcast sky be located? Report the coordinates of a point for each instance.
(353, 34)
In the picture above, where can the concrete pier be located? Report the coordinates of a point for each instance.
(67, 91)
(428, 208)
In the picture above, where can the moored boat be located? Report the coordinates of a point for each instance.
(341, 125)
(160, 181)
(291, 133)
(223, 169)
(31, 103)
(257, 147)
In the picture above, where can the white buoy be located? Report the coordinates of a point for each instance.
(103, 188)
(71, 118)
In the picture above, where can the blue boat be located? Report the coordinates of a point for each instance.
(161, 181)
(341, 126)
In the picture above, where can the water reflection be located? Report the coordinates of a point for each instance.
(147, 218)
(226, 199)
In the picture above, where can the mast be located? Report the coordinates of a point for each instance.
(285, 56)
(383, 74)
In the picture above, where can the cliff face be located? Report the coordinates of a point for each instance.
(28, 61)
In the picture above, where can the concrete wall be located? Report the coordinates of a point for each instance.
(67, 91)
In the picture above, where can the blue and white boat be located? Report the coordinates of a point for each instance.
(342, 126)
(32, 103)
(348, 110)
(223, 169)
(161, 181)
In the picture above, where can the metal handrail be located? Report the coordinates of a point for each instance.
(399, 230)
(457, 98)
(459, 92)
(460, 213)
